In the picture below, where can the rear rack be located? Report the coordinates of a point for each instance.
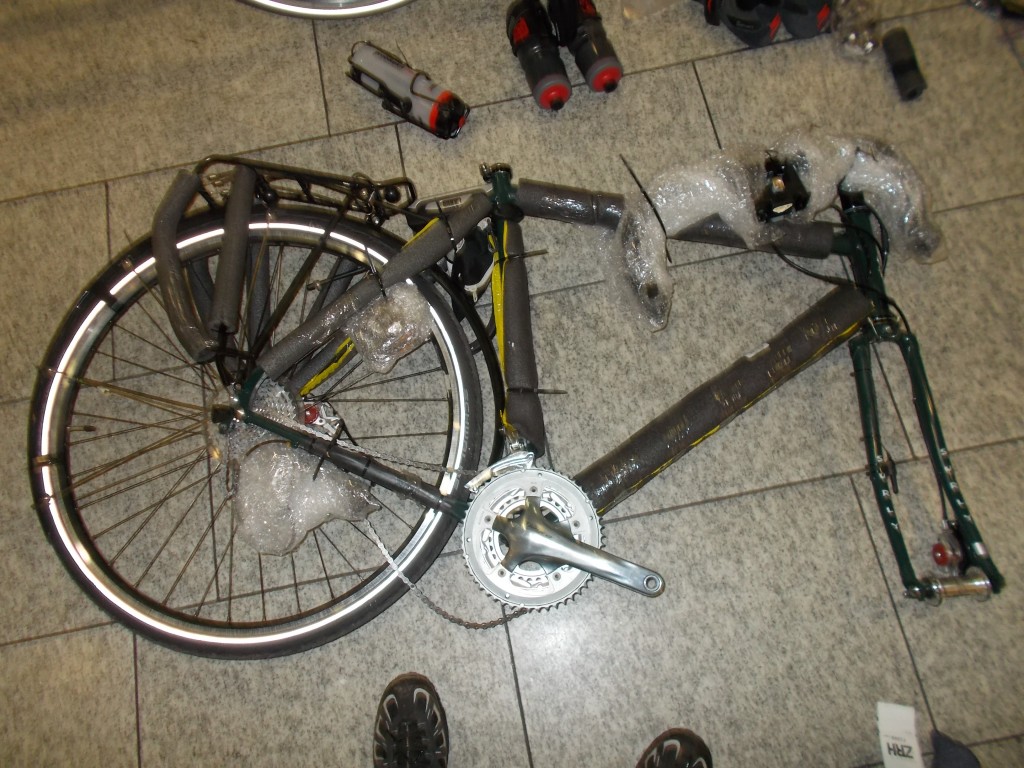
(238, 186)
(356, 197)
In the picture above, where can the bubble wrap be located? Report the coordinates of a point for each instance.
(892, 187)
(720, 185)
(278, 502)
(391, 327)
(727, 184)
(636, 265)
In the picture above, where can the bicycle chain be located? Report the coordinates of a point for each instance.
(430, 603)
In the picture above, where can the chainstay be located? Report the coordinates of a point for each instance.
(369, 452)
(430, 603)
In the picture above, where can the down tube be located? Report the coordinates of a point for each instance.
(627, 468)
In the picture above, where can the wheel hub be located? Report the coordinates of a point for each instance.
(529, 584)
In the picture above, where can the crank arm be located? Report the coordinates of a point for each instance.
(530, 536)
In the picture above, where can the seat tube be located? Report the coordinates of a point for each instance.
(523, 417)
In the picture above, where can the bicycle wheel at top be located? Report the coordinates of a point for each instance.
(136, 492)
(327, 9)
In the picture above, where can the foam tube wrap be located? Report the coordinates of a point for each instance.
(713, 404)
(227, 290)
(569, 204)
(170, 274)
(419, 254)
(812, 240)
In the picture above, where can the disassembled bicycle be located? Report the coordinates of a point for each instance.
(225, 461)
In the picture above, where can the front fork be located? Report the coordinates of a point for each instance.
(972, 570)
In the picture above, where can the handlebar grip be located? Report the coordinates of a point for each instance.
(170, 272)
(811, 240)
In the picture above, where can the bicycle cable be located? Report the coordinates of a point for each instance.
(415, 589)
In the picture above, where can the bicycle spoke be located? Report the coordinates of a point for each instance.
(102, 469)
(195, 551)
(153, 508)
(86, 500)
(157, 401)
(136, 426)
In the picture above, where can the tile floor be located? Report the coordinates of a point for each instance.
(782, 625)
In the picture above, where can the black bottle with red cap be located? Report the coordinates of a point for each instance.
(578, 27)
(530, 33)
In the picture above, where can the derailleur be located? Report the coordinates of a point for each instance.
(532, 538)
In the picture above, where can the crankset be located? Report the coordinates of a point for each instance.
(532, 538)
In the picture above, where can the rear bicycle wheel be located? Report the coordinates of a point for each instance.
(327, 9)
(135, 491)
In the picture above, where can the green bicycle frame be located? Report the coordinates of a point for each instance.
(858, 313)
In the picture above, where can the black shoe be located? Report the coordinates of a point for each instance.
(676, 748)
(410, 730)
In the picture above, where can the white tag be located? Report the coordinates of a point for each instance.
(897, 731)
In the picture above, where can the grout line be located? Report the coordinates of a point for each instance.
(707, 107)
(320, 71)
(138, 712)
(892, 601)
(109, 220)
(519, 693)
(58, 634)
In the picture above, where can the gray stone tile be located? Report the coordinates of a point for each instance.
(41, 598)
(52, 245)
(619, 376)
(69, 700)
(773, 640)
(967, 653)
(317, 708)
(113, 89)
(1001, 754)
(961, 135)
(966, 313)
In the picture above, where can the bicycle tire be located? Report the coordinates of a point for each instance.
(128, 484)
(327, 9)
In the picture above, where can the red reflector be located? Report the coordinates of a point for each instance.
(823, 15)
(941, 555)
(520, 32)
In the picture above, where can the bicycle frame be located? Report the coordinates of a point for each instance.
(858, 314)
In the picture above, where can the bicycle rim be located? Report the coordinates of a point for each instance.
(328, 9)
(135, 490)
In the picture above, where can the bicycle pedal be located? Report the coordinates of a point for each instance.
(806, 18)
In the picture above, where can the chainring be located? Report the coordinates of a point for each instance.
(530, 584)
